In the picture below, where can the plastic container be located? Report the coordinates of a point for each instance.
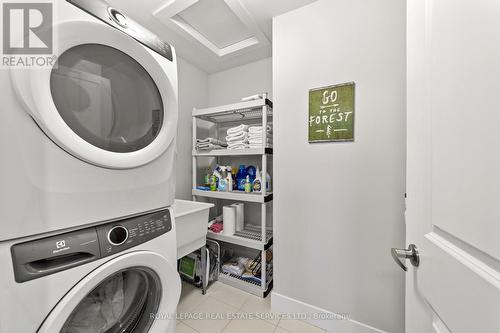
(248, 185)
(269, 187)
(257, 183)
(191, 220)
(251, 172)
(241, 177)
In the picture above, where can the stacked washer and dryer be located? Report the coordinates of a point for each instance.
(87, 178)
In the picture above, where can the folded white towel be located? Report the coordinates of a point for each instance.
(238, 145)
(237, 134)
(258, 129)
(258, 135)
(211, 140)
(258, 140)
(208, 146)
(259, 145)
(237, 142)
(244, 140)
(237, 129)
(242, 136)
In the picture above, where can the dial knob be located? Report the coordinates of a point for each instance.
(117, 235)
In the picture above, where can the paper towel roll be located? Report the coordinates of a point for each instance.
(228, 220)
(240, 216)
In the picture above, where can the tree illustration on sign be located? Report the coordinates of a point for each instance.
(329, 131)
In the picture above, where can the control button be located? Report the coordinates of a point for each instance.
(117, 235)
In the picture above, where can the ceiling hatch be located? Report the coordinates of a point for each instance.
(223, 26)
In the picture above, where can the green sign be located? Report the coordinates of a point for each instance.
(331, 113)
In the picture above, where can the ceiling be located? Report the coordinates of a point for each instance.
(213, 35)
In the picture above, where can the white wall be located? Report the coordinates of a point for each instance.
(339, 207)
(231, 85)
(193, 92)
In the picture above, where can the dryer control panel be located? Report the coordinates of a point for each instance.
(103, 11)
(49, 255)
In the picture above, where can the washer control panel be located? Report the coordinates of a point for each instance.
(116, 237)
(49, 255)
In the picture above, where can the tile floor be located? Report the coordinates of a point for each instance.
(227, 309)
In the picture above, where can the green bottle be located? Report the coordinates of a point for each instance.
(213, 184)
(207, 180)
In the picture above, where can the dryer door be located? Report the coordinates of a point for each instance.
(108, 100)
(124, 295)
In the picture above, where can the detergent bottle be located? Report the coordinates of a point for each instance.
(241, 177)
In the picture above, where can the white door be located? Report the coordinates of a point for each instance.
(453, 170)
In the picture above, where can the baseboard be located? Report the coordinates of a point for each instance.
(331, 322)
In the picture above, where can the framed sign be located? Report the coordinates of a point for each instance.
(331, 113)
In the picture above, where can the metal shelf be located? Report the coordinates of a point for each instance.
(253, 237)
(235, 195)
(233, 152)
(249, 286)
(254, 232)
(250, 237)
(235, 112)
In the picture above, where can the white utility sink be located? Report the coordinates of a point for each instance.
(191, 223)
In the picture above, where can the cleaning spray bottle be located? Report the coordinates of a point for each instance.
(207, 177)
(216, 177)
(257, 183)
(229, 181)
(222, 186)
(213, 183)
(268, 182)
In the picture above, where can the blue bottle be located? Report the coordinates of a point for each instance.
(251, 172)
(241, 177)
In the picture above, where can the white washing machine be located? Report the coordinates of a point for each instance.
(116, 277)
(93, 138)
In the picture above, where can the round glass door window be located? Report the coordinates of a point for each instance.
(107, 98)
(123, 303)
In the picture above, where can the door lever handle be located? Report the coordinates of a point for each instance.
(410, 253)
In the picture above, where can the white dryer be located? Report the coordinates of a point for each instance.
(116, 277)
(93, 138)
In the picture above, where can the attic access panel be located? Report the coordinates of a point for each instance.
(225, 27)
(216, 22)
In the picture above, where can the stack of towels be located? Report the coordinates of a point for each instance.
(255, 137)
(237, 137)
(209, 144)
